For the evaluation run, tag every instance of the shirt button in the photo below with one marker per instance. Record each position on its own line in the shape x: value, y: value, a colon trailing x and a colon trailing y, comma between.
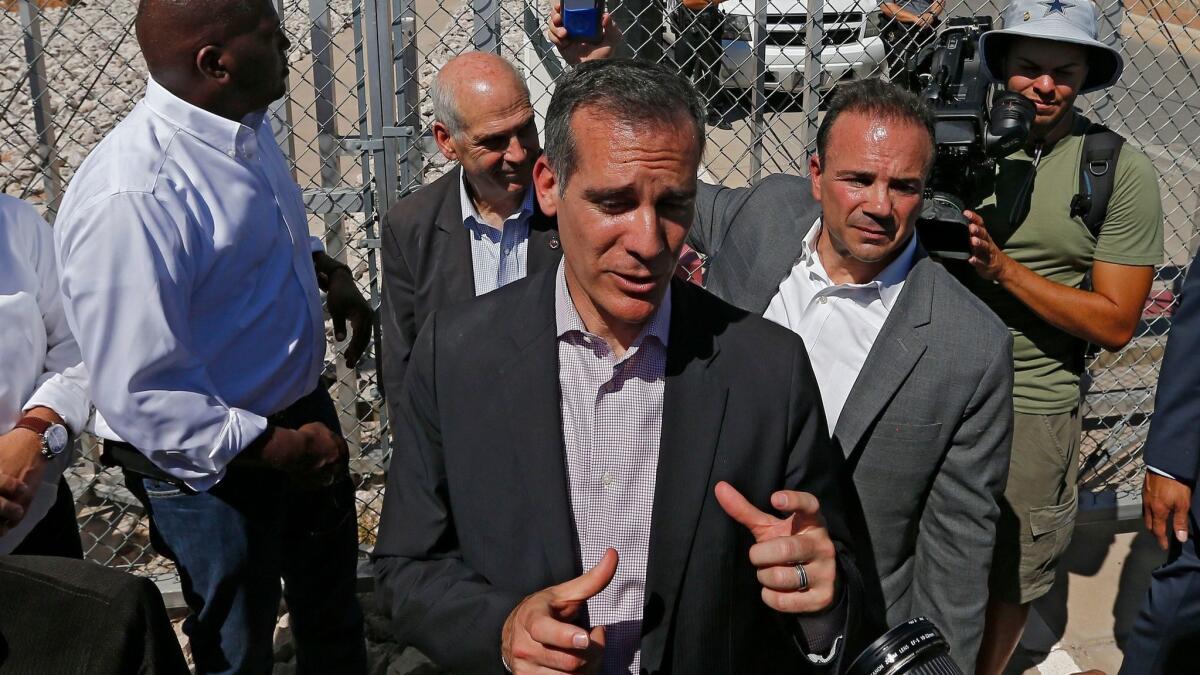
x: 822, y: 299
x: 607, y: 479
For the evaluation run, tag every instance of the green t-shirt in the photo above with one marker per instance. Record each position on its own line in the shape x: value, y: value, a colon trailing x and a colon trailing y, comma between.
x: 1047, y: 361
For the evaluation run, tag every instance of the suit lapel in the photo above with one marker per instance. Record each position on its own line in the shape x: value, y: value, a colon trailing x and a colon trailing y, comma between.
x: 899, y: 346
x: 535, y: 426
x: 453, y: 245
x: 544, y: 249
x: 693, y: 409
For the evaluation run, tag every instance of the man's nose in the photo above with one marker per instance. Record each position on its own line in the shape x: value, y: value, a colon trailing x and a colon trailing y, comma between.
x: 878, y: 200
x: 644, y: 237
x: 1044, y: 84
x: 515, y: 153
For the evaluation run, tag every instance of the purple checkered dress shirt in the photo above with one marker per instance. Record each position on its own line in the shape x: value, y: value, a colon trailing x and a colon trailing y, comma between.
x: 612, y: 423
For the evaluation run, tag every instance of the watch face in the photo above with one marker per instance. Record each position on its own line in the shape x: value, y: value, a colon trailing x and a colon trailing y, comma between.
x: 56, y: 438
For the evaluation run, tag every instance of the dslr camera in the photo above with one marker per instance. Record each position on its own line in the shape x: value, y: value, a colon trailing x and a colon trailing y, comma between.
x: 976, y: 123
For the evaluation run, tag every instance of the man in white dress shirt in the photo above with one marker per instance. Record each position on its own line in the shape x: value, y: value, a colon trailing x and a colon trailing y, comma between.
x: 43, y: 398
x: 193, y: 288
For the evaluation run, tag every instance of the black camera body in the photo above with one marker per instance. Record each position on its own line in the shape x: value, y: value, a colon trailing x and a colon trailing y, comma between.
x: 976, y: 123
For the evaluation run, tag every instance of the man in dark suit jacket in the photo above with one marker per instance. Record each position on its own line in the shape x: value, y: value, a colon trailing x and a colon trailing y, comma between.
x: 476, y: 228
x: 926, y: 420
x: 646, y: 410
x: 1166, y: 630
x: 74, y: 617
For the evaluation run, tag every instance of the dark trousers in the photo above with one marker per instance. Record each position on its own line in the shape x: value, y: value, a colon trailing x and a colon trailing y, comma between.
x: 900, y: 42
x: 57, y: 533
x: 1167, y: 629
x: 697, y: 50
x: 233, y: 544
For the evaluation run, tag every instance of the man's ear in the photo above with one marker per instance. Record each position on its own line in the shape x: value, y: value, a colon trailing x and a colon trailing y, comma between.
x: 208, y: 62
x: 814, y: 175
x: 444, y: 140
x: 545, y: 183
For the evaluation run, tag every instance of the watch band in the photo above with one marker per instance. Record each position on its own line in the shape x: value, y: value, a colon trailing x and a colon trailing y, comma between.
x: 35, y: 424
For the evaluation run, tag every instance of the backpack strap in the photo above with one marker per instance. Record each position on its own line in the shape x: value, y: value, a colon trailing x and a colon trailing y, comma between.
x: 1097, y: 175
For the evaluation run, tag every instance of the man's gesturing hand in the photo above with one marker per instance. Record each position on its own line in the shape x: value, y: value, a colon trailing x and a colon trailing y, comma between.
x: 782, y: 543
x: 1165, y: 504
x: 537, y: 638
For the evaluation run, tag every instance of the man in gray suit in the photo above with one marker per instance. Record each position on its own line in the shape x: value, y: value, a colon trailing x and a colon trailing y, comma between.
x: 915, y: 372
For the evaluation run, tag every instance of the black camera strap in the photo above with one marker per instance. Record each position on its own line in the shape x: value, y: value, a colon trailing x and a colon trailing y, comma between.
x: 1097, y: 176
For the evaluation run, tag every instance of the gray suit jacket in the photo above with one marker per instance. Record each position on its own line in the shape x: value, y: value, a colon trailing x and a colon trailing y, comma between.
x: 927, y: 427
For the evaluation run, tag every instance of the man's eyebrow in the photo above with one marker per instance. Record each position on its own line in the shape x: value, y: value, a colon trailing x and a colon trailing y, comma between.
x: 686, y: 193
x: 595, y: 194
x: 907, y: 181
x: 855, y: 173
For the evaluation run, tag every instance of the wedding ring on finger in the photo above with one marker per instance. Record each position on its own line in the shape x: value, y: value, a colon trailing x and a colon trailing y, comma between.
x: 801, y: 577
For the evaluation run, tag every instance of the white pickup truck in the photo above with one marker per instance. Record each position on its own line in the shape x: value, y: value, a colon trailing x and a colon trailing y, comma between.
x: 852, y: 46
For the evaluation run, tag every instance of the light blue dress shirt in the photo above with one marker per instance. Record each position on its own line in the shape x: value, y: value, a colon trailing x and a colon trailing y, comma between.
x: 498, y: 257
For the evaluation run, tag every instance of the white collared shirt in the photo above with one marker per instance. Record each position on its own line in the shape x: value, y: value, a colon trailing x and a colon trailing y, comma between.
x: 188, y: 280
x: 498, y: 257
x: 42, y: 366
x: 839, y: 322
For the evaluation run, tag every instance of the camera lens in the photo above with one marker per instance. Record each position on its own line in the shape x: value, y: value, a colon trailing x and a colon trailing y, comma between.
x: 915, y: 647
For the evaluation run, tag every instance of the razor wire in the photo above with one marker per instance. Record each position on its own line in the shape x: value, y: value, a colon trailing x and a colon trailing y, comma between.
x: 356, y: 124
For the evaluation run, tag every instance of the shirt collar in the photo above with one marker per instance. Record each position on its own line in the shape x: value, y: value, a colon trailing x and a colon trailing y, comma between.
x: 889, y: 282
x: 567, y: 318
x: 470, y: 213
x: 221, y: 133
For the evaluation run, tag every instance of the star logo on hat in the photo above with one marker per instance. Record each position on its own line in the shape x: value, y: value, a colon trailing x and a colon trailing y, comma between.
x: 1056, y: 6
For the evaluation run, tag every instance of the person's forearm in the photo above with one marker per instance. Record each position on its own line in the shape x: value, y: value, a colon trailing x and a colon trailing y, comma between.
x: 894, y: 11
x: 1085, y: 314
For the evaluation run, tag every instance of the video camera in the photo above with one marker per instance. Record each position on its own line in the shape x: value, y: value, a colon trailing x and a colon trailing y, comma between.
x: 969, y: 135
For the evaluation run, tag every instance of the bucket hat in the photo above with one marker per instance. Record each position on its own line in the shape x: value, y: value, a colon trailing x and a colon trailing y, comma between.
x: 1070, y: 21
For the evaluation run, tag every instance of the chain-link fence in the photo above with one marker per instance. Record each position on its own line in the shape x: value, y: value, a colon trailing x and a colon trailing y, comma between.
x: 356, y: 125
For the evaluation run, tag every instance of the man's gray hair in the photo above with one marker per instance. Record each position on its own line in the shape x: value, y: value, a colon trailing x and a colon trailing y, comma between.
x: 637, y: 92
x: 876, y: 97
x: 445, y: 105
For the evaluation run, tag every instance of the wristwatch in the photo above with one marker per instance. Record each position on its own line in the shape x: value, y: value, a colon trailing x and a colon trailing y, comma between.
x: 54, y: 436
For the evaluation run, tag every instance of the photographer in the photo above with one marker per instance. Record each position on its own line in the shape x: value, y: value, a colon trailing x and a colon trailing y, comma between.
x: 1061, y: 272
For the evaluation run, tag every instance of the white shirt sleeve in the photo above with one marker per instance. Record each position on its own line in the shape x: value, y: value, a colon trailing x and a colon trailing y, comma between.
x: 1164, y: 474
x: 62, y: 386
x: 128, y: 264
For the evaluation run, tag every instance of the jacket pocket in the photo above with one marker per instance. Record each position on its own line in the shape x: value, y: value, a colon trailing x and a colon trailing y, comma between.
x: 907, y: 432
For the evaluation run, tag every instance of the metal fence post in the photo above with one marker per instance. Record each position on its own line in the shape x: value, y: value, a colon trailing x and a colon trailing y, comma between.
x: 408, y: 91
x: 381, y: 74
x: 758, y: 99
x: 43, y: 112
x: 486, y: 36
x: 814, y: 43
